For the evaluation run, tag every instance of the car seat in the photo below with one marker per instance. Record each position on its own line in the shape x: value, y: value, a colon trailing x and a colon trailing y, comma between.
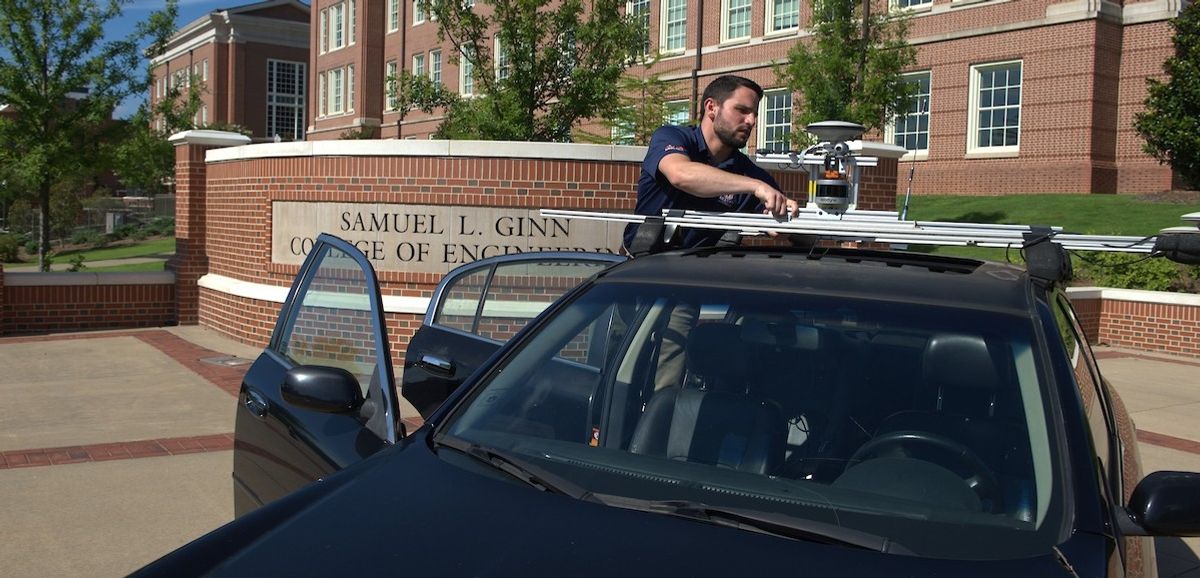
x: 712, y: 419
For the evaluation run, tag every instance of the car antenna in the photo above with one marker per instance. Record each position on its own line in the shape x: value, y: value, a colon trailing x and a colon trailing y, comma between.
x: 922, y: 108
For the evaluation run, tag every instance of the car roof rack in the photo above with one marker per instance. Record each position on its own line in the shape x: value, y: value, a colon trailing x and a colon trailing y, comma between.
x: 1179, y: 244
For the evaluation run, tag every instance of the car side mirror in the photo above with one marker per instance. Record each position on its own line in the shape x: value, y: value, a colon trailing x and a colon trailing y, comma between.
x: 320, y: 388
x: 1165, y: 504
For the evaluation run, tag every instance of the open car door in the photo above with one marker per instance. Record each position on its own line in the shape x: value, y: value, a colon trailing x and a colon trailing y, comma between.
x: 477, y: 308
x: 320, y: 396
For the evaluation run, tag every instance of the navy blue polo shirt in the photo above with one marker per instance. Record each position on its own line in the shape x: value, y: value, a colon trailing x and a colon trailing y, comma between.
x: 656, y: 193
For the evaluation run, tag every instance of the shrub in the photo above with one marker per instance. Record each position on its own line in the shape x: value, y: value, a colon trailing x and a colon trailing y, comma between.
x: 77, y: 264
x: 9, y: 247
x: 31, y: 246
x: 1124, y: 271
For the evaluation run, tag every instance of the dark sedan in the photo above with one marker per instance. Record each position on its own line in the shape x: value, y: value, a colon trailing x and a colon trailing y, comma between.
x: 732, y: 411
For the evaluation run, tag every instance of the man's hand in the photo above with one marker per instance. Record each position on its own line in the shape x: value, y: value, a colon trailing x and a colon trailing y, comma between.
x: 776, y: 203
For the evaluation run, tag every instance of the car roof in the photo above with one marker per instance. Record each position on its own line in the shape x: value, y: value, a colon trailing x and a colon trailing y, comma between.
x: 849, y: 273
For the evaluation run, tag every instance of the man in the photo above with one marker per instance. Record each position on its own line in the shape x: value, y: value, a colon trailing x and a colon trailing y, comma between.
x: 701, y: 168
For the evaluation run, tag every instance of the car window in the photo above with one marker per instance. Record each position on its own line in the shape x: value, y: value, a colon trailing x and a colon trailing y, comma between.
x: 331, y: 323
x: 511, y: 293
x: 1095, y: 401
x: 812, y: 406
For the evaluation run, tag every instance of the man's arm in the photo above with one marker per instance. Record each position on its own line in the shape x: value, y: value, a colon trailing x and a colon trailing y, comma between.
x: 706, y: 181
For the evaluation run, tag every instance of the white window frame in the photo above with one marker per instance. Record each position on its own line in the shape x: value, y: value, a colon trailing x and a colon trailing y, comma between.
x: 352, y: 22
x: 337, y: 91
x: 727, y: 9
x: 645, y: 14
x: 466, y: 74
x: 204, y: 70
x: 322, y: 95
x: 435, y: 65
x: 337, y: 24
x: 393, y: 11
x: 390, y: 71
x: 664, y: 28
x: 974, y: 109
x: 764, y: 116
x: 923, y: 104
x: 418, y: 64
x: 769, y: 20
x: 673, y: 106
x: 350, y: 88
x: 500, y: 64
x: 323, y: 31
x: 291, y: 100
x: 913, y: 5
x: 418, y: 13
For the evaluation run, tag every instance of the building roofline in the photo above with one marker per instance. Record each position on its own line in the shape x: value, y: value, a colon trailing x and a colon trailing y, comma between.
x: 218, y: 24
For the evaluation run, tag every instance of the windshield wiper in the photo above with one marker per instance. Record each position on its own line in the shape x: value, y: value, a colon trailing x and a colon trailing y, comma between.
x: 758, y: 521
x: 518, y: 468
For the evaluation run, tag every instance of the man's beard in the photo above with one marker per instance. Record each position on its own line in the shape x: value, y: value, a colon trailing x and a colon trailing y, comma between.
x: 727, y: 134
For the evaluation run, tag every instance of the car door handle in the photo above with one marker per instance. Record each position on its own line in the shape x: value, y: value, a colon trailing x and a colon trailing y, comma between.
x: 437, y: 363
x: 256, y: 403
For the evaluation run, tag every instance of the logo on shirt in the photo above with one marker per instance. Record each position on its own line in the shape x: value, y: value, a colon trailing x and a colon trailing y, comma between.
x: 675, y: 147
x: 726, y: 200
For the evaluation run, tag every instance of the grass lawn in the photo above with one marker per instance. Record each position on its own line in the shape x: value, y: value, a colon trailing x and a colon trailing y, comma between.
x: 150, y: 248
x: 1094, y: 214
x: 133, y: 268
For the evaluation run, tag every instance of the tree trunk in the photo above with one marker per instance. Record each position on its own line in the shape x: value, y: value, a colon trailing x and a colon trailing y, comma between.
x: 44, y: 226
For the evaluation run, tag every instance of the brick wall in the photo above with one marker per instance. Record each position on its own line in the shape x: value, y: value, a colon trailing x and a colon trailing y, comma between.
x: 58, y: 302
x: 1146, y: 320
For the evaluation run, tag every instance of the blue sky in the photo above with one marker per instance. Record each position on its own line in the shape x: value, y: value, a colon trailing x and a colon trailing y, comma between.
x: 137, y: 11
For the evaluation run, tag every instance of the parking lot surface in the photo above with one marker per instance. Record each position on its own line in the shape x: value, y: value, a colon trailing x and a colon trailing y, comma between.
x: 116, y: 447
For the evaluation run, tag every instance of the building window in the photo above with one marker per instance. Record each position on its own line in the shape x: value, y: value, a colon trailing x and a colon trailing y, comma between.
x: 204, y: 70
x: 911, y: 3
x: 353, y: 20
x: 503, y: 66
x: 418, y: 13
x: 673, y: 38
x: 338, y: 25
x: 322, y: 95
x: 323, y: 30
x: 466, y: 72
x: 393, y: 7
x: 389, y: 86
x: 285, y: 99
x: 776, y: 121
x: 910, y: 128
x: 418, y: 66
x: 783, y: 15
x: 994, y: 123
x: 735, y: 20
x: 435, y: 65
x: 678, y: 112
x: 640, y: 9
x: 350, y: 88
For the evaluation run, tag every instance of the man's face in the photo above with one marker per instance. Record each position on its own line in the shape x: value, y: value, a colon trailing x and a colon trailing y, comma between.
x: 735, y: 118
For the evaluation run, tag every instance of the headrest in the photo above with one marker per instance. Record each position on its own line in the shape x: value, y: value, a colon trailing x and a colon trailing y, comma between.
x: 960, y: 361
x: 716, y: 355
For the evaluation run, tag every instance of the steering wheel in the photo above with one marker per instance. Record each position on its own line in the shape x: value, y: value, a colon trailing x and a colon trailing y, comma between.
x: 960, y: 459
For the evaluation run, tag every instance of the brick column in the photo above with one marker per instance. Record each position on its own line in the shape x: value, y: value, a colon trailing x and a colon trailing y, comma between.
x: 191, y: 252
x: 878, y: 185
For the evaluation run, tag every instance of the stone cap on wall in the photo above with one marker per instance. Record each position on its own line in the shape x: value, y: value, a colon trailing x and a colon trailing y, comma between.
x: 217, y: 138
x: 430, y: 148
x: 1138, y: 295
x: 38, y: 279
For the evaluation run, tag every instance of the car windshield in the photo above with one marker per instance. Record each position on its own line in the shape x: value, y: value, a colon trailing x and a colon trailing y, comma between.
x: 924, y: 425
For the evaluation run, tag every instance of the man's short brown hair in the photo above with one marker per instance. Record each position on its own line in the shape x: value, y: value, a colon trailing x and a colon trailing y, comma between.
x: 723, y: 86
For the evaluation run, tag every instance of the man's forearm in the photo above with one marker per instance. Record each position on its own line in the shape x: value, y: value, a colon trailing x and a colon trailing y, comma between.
x: 702, y: 180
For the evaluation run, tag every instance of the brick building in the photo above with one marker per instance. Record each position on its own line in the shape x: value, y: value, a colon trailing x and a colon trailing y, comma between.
x: 253, y: 61
x: 1019, y: 96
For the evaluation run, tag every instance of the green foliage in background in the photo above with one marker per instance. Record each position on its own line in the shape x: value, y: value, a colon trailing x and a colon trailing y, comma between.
x: 1171, y: 122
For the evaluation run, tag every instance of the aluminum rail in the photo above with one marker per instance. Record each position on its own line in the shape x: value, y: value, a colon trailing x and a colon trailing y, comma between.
x: 883, y: 227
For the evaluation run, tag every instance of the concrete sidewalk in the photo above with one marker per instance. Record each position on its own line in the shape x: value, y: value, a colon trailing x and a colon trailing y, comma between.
x: 116, y: 447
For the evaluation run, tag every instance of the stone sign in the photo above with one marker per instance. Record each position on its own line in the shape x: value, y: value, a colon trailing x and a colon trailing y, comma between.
x: 431, y: 238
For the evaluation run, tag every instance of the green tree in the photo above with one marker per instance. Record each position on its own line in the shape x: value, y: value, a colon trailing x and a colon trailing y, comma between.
x: 1171, y: 122
x: 407, y: 92
x: 643, y: 105
x: 852, y: 69
x: 63, y: 80
x: 558, y: 64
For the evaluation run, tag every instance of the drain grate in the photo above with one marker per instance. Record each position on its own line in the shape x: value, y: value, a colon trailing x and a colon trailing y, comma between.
x: 226, y: 361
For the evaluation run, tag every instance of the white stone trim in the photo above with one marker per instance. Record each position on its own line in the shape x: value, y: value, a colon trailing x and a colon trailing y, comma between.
x: 31, y: 279
x: 1136, y: 295
x: 208, y: 138
x: 277, y: 294
x: 426, y: 148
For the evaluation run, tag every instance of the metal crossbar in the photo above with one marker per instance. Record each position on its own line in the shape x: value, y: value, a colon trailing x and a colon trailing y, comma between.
x: 885, y: 227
